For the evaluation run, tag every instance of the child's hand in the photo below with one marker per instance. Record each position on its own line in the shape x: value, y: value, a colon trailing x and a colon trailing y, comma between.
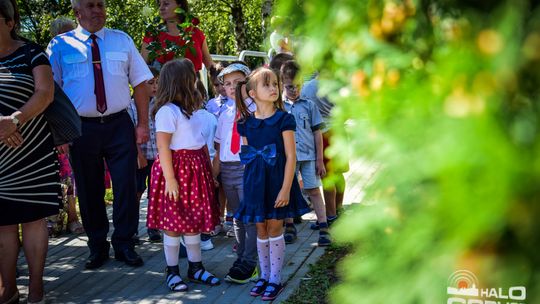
x: 215, y: 170
x: 319, y: 166
x: 282, y: 199
x: 142, y: 162
x: 171, y: 189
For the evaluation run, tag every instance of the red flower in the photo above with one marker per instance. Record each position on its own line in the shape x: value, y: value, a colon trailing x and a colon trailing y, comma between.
x: 195, y: 21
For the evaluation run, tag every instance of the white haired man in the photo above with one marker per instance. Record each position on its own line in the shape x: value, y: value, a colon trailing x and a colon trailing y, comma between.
x: 96, y: 66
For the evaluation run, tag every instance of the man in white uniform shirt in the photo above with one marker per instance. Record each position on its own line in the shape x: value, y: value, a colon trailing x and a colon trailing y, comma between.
x: 95, y: 66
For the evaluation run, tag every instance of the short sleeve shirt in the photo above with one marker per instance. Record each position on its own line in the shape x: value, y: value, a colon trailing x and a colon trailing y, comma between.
x: 224, y: 129
x: 262, y: 132
x: 308, y: 120
x: 216, y: 105
x: 186, y: 132
x: 122, y: 65
x: 209, y: 129
x: 310, y: 91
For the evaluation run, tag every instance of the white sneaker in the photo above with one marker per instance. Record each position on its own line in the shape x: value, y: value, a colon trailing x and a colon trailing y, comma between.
x: 207, y: 245
x: 217, y: 230
x: 228, y: 229
x: 230, y: 233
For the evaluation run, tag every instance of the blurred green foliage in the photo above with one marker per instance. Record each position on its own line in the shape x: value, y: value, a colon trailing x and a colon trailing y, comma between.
x: 130, y: 16
x: 230, y: 26
x: 444, y: 97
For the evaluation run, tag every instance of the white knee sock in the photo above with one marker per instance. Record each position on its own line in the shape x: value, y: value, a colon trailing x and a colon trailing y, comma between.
x: 193, y: 247
x: 277, y: 255
x: 263, y: 250
x: 171, y: 247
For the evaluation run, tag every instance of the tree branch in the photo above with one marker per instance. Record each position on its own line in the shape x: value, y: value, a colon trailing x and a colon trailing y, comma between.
x: 226, y: 3
x: 30, y: 16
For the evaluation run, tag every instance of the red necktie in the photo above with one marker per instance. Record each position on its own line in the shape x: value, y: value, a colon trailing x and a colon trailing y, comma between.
x: 235, y: 137
x: 99, y: 86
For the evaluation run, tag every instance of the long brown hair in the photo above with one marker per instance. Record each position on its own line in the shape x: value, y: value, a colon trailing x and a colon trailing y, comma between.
x: 10, y: 11
x: 177, y: 86
x: 261, y: 74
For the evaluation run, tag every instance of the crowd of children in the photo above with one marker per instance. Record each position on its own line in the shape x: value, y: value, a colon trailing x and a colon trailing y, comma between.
x: 244, y: 162
x: 250, y: 142
x: 237, y: 157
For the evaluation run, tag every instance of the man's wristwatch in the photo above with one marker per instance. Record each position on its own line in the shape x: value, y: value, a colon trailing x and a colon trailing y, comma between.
x: 15, y: 121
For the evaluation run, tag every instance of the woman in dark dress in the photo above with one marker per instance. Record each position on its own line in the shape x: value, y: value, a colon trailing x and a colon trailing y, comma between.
x: 29, y: 181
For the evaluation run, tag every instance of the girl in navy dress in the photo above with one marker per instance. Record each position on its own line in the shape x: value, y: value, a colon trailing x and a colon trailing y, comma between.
x: 271, y: 191
x: 181, y: 196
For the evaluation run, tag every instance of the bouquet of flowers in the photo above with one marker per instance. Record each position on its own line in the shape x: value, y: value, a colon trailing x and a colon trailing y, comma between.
x: 156, y: 48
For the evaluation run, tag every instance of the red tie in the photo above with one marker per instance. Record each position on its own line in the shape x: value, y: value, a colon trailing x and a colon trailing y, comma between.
x: 99, y: 86
x: 235, y: 137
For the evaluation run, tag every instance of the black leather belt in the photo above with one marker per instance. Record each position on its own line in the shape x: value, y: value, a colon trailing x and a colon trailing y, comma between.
x: 103, y: 119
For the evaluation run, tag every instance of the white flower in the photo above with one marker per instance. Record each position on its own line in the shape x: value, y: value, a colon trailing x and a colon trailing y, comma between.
x: 147, y: 11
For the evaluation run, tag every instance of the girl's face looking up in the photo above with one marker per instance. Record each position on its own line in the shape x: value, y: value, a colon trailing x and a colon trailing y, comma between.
x: 267, y: 90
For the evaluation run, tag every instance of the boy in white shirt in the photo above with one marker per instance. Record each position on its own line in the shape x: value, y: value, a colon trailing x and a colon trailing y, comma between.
x: 227, y: 162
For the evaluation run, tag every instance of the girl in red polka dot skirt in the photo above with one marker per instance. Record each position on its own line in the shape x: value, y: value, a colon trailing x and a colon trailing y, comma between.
x: 181, y: 200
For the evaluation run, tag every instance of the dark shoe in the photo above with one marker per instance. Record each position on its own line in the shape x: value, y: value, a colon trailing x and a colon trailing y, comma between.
x: 259, y: 288
x: 129, y: 256
x: 154, y: 235
x: 173, y: 280
x: 324, y: 239
x: 290, y: 234
x: 242, y: 273
x: 272, y: 291
x: 97, y: 258
x: 197, y: 273
x: 298, y: 220
x: 330, y: 220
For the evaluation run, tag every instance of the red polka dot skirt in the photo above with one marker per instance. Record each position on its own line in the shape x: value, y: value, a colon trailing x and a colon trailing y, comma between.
x: 196, y: 209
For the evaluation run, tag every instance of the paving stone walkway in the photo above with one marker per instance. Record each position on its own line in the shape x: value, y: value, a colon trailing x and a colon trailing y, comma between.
x: 66, y: 280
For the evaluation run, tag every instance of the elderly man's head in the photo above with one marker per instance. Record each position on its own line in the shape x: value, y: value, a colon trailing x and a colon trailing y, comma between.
x: 90, y: 14
x: 61, y: 25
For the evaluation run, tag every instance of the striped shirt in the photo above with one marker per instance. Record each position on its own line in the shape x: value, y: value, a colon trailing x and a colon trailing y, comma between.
x: 29, y: 173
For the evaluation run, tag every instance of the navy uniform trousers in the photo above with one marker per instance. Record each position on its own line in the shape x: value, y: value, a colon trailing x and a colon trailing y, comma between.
x: 111, y: 139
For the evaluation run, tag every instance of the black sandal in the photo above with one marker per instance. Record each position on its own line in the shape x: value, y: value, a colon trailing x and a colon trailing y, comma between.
x: 272, y: 291
x: 259, y: 288
x: 197, y: 273
x: 175, y: 285
x: 290, y: 234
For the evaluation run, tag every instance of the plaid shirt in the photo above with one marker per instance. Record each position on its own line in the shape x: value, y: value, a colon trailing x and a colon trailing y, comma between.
x: 149, y: 148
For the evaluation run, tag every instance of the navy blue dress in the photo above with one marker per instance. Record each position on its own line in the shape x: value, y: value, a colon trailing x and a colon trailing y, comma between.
x: 264, y: 159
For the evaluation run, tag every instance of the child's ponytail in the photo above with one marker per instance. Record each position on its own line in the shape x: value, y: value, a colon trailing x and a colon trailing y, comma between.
x: 250, y: 83
x: 241, y: 106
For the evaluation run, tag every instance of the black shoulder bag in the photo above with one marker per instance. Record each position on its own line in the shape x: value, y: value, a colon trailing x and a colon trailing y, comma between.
x: 63, y: 119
